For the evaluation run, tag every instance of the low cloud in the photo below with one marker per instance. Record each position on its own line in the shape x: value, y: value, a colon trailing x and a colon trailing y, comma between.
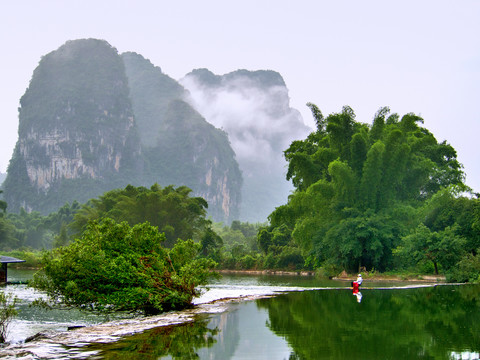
x: 258, y: 119
x: 260, y: 123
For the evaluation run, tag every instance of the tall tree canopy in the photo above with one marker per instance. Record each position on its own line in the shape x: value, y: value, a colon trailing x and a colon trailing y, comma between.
x: 170, y: 209
x: 358, y: 186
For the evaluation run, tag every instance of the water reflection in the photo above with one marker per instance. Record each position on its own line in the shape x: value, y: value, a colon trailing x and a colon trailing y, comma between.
x: 437, y: 323
x: 177, y: 342
x: 389, y: 324
x: 240, y: 333
x: 358, y: 295
x: 434, y: 323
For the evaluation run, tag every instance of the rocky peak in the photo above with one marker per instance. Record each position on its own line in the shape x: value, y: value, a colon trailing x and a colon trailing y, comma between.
x: 92, y: 120
x: 179, y: 145
x: 75, y: 122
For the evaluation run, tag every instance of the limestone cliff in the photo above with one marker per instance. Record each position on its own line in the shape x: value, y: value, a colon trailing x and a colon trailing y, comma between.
x: 92, y: 120
x: 179, y: 146
x: 75, y: 123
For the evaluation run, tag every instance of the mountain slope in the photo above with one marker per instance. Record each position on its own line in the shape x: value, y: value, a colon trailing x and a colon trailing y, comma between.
x: 179, y: 146
x: 77, y: 136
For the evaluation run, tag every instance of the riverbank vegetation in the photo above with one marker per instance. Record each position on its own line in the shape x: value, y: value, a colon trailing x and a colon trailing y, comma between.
x: 7, y: 313
x: 382, y: 196
x: 115, y: 267
x: 376, y: 198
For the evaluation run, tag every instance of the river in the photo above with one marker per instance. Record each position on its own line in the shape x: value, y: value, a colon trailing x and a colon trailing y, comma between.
x: 267, y: 317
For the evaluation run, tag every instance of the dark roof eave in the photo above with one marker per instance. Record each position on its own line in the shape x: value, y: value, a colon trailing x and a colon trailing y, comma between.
x: 9, y: 259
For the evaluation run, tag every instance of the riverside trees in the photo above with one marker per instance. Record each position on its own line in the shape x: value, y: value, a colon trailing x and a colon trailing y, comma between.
x: 133, y: 250
x: 172, y: 210
x: 360, y: 190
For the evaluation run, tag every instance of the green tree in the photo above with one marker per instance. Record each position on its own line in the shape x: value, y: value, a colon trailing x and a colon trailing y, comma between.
x: 172, y: 210
x: 56, y: 220
x: 443, y: 248
x: 363, y: 241
x: 3, y: 205
x: 62, y: 238
x: 211, y: 243
x: 7, y: 239
x: 30, y: 230
x: 450, y: 208
x: 117, y: 267
x: 352, y: 180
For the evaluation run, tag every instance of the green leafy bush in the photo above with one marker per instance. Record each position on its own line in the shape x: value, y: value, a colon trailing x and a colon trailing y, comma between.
x: 467, y: 270
x: 7, y: 312
x: 117, y: 267
x: 247, y: 262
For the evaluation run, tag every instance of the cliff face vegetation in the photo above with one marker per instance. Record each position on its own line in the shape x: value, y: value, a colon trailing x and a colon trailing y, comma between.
x: 91, y: 121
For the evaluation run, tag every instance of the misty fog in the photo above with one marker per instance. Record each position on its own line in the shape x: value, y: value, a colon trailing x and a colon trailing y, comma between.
x: 253, y: 108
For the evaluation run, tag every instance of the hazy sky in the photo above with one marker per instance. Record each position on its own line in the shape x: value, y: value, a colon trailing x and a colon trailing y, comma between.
x: 413, y: 56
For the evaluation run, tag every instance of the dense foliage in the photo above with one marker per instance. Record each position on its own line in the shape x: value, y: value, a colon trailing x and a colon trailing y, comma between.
x: 117, y: 267
x: 172, y: 210
x: 35, y: 231
x: 385, y: 196
x: 361, y: 191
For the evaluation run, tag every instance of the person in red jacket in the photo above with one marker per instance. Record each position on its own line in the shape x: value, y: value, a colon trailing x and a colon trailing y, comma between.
x: 356, y: 284
x: 356, y: 287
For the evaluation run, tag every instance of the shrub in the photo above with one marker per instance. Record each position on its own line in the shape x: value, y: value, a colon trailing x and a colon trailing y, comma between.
x: 467, y: 270
x: 117, y: 267
x: 290, y: 258
x: 7, y: 312
x: 247, y: 262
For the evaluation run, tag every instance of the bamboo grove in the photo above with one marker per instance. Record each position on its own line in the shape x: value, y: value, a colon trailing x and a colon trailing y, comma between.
x: 376, y: 197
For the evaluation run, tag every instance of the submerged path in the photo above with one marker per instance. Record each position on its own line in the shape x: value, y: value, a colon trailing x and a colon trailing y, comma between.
x: 73, y: 343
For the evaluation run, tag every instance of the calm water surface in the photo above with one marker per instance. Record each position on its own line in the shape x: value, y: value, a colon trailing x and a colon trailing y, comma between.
x: 440, y: 322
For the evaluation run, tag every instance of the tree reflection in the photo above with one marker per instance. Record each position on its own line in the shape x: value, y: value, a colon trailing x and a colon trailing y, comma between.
x: 177, y: 341
x: 387, y: 324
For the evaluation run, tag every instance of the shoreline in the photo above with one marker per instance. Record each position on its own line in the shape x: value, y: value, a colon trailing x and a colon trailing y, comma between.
x: 342, y: 276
